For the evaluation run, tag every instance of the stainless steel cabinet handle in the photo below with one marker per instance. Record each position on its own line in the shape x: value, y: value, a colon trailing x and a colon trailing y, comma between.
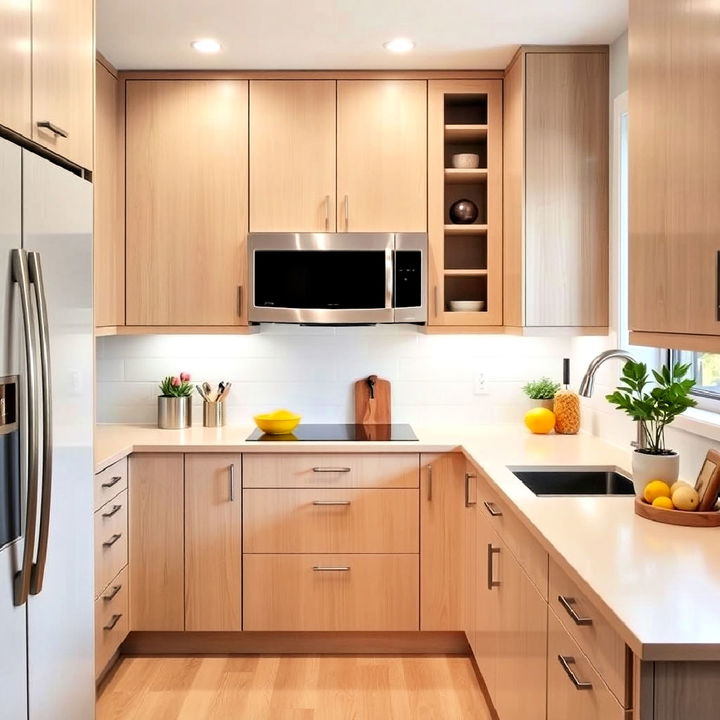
x: 113, y: 592
x: 113, y: 622
x: 331, y: 568
x: 232, y: 482
x: 468, y: 478
x: 113, y: 481
x: 331, y: 502
x: 347, y: 212
x: 112, y: 540
x: 429, y: 487
x: 492, y: 509
x: 327, y: 212
x: 332, y: 469
x: 21, y: 587
x: 115, y: 509
x: 53, y: 128
x: 566, y: 661
x: 490, y: 574
x: 36, y: 278
x: 567, y: 603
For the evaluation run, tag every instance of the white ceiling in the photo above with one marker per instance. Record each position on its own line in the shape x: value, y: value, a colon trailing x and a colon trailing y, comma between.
x: 345, y: 34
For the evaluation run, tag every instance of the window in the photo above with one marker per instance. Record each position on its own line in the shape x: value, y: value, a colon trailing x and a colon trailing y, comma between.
x: 705, y: 370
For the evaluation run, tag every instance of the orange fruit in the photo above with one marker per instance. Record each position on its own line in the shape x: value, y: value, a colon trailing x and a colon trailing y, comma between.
x: 655, y: 489
x: 663, y: 502
x: 540, y: 420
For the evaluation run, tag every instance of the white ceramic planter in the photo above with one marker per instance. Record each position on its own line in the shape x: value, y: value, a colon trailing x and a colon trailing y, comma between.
x: 538, y: 403
x: 646, y: 467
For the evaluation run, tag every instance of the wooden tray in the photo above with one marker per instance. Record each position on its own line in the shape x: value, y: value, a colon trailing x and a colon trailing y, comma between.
x: 677, y: 517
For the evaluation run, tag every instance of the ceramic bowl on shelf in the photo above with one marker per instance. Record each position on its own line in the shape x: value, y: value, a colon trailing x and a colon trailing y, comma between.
x: 466, y: 161
x: 467, y: 305
x: 463, y: 212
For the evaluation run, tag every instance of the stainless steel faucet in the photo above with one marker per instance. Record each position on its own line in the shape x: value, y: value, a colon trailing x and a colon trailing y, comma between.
x: 588, y: 383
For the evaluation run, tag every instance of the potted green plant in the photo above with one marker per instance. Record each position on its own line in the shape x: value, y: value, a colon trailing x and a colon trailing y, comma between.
x: 654, y: 404
x: 542, y: 391
x: 175, y: 402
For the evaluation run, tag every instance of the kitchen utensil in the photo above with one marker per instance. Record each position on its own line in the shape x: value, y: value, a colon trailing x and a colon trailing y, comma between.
x: 273, y: 425
x: 202, y: 393
x: 463, y: 212
x: 225, y: 391
x: 213, y: 414
x: 467, y: 305
x: 208, y: 391
x: 372, y: 401
x: 466, y: 161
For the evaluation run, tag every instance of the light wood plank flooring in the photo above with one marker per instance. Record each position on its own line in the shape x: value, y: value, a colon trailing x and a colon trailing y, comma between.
x: 292, y: 688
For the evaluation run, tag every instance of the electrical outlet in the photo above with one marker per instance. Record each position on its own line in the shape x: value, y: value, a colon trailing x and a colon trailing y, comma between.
x: 480, y: 386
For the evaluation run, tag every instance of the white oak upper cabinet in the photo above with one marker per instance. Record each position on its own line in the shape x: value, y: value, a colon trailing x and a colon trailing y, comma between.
x: 15, y: 66
x: 292, y: 155
x: 382, y: 155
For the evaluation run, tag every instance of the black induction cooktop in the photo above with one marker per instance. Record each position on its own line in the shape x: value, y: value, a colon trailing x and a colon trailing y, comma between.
x: 309, y: 432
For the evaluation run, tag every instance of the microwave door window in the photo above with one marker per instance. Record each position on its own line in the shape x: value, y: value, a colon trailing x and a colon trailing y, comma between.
x: 320, y: 279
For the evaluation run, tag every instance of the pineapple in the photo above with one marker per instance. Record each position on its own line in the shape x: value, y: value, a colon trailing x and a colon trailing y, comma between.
x: 566, y: 407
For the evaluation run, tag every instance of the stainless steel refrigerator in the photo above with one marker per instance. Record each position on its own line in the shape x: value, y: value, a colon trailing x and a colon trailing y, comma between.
x: 46, y: 431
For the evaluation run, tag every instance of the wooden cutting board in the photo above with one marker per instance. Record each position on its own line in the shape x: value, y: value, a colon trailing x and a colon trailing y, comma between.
x: 372, y: 401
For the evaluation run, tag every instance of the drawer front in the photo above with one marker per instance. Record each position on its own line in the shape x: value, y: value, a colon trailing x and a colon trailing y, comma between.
x: 111, y: 547
x: 597, y: 639
x: 110, y: 481
x: 565, y: 701
x: 331, y: 592
x: 528, y: 551
x: 111, y: 620
x: 330, y: 521
x: 364, y: 470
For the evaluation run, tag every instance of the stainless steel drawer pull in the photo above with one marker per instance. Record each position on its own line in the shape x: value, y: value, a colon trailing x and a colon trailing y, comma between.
x: 429, y: 489
x: 490, y: 574
x: 115, y: 509
x: 113, y: 622
x: 113, y: 592
x: 566, y: 661
x: 332, y: 469
x: 331, y: 502
x: 232, y: 482
x: 468, y: 478
x: 492, y: 509
x: 112, y: 540
x: 331, y: 568
x: 53, y: 128
x: 113, y: 481
x: 567, y: 603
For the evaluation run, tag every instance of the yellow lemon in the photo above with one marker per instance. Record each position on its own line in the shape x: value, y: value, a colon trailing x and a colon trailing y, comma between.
x: 676, y: 485
x: 282, y: 414
x: 540, y: 420
x: 663, y: 502
x: 655, y: 489
x: 685, y: 498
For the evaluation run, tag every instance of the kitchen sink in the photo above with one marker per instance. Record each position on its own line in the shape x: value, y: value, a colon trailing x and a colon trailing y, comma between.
x: 574, y: 482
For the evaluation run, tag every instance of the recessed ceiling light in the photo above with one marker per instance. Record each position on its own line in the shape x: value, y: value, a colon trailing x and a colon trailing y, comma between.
x: 206, y: 45
x: 399, y: 45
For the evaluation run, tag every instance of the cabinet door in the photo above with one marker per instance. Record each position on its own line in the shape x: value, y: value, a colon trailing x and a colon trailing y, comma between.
x: 63, y: 71
x: 15, y: 44
x: 156, y: 541
x: 109, y: 232
x: 445, y: 552
x: 186, y: 170
x: 213, y: 542
x: 382, y: 155
x: 674, y: 173
x: 292, y: 155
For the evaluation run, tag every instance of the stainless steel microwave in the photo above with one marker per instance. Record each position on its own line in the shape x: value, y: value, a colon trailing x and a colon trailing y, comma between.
x: 337, y: 278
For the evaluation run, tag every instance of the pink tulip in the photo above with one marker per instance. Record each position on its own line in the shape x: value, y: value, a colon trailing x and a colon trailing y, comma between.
x: 185, y: 377
x: 175, y: 382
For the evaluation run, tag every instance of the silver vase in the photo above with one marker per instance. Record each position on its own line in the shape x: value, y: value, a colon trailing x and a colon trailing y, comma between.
x: 174, y: 413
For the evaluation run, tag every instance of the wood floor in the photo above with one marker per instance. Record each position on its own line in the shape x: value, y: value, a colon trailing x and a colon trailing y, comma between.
x: 292, y: 688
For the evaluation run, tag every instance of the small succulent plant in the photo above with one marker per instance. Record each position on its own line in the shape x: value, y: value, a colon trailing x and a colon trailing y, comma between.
x: 542, y: 389
x: 176, y: 385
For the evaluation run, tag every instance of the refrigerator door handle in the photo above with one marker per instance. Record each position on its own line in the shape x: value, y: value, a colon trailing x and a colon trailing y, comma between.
x: 22, y: 577
x: 36, y: 278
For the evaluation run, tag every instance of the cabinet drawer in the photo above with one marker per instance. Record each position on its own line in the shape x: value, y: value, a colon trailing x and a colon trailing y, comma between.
x: 109, y: 482
x: 597, y: 639
x: 111, y: 620
x: 528, y: 551
x: 111, y: 549
x: 565, y: 700
x: 330, y: 470
x: 331, y: 592
x: 330, y: 521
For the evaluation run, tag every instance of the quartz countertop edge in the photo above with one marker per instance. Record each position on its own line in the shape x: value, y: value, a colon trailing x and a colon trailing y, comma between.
x: 657, y: 585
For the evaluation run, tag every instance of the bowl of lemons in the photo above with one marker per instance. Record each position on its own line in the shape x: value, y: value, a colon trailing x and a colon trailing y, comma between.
x: 278, y: 422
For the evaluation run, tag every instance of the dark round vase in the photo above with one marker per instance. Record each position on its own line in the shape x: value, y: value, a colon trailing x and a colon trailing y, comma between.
x: 463, y: 212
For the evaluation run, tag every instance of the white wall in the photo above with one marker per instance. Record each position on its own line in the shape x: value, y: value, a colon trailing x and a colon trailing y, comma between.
x: 311, y: 371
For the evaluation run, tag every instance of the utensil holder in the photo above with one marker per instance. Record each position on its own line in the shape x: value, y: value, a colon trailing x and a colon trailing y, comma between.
x: 213, y: 414
x: 174, y: 413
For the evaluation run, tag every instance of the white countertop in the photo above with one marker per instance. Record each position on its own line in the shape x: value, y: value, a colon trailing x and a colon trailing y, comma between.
x: 659, y: 585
